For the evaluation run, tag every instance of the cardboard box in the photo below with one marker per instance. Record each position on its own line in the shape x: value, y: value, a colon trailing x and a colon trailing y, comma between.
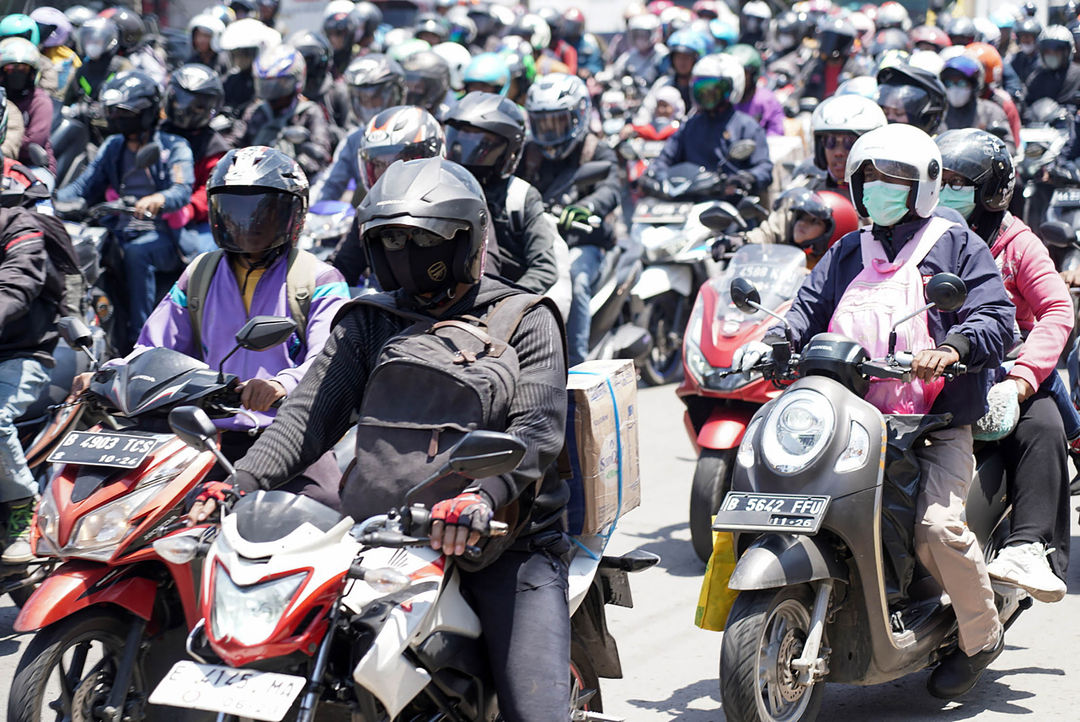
x: 602, y: 443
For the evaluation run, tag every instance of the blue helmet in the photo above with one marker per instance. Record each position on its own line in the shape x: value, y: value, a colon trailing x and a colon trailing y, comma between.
x: 723, y: 32
x: 490, y: 69
x: 688, y: 41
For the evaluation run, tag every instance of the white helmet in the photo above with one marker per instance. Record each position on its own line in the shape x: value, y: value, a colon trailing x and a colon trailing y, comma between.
x: 989, y: 32
x: 338, y: 6
x: 757, y: 9
x: 844, y: 114
x: 540, y: 36
x: 209, y: 24
x: 927, y: 60
x: 249, y: 33
x: 901, y: 151
x: 457, y: 57
x: 720, y: 66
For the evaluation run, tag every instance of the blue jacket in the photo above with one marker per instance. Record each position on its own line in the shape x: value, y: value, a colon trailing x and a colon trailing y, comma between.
x: 981, y: 331
x: 343, y: 168
x: 706, y: 140
x: 174, y: 174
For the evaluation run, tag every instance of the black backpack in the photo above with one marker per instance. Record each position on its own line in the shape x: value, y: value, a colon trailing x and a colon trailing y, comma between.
x: 65, y: 285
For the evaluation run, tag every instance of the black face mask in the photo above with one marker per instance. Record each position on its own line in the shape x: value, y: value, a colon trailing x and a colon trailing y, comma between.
x: 18, y: 83
x: 423, y: 270
x: 125, y: 126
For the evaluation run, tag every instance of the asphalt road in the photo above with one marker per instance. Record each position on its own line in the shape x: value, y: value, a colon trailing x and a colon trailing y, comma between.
x: 670, y: 666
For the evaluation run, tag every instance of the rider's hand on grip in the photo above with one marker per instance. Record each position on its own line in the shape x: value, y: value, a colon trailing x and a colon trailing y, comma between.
x: 928, y: 364
x: 749, y: 355
x: 459, y: 522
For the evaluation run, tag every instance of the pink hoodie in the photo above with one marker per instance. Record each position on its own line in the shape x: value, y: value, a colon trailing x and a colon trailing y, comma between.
x: 1044, y: 310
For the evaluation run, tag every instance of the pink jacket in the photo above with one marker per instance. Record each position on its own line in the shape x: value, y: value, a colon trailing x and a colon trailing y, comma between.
x: 1044, y: 310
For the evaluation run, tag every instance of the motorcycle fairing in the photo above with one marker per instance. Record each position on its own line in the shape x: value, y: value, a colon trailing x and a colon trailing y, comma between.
x: 779, y: 560
x: 153, y: 379
x: 663, y: 278
x: 71, y: 588
x: 725, y: 427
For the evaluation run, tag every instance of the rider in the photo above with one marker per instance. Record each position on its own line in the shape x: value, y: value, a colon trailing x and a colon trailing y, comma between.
x: 1056, y: 76
x: 427, y: 78
x: 520, y: 595
x: 978, y: 180
x: 758, y: 102
x: 895, y: 177
x: 836, y: 123
x: 685, y: 48
x: 20, y: 65
x: 1026, y: 56
x: 319, y: 85
x: 340, y: 29
x: 243, y: 40
x: 559, y: 110
x: 486, y: 73
x: 58, y: 34
x: 206, y: 31
x: 963, y: 78
x: 133, y: 45
x: 643, y: 60
x: 836, y: 60
x: 990, y: 59
x: 590, y: 57
x: 911, y: 95
x: 99, y: 41
x: 812, y: 221
x: 132, y: 103
x: 18, y: 25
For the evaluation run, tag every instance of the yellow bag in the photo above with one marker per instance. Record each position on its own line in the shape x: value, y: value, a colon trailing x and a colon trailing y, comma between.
x: 716, y: 599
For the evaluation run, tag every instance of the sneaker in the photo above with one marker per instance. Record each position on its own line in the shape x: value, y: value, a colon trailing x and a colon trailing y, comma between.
x: 16, y: 542
x: 1026, y: 566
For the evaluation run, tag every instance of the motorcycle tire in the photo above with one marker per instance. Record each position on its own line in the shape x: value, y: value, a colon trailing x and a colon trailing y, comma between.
x: 664, y: 319
x: 712, y: 479
x: 584, y: 681
x: 763, y: 623
x: 47, y: 651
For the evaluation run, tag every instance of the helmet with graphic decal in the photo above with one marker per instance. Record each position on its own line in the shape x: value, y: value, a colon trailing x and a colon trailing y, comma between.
x: 405, y: 132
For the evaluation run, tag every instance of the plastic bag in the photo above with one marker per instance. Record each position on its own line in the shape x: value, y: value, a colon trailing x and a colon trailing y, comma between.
x: 716, y: 599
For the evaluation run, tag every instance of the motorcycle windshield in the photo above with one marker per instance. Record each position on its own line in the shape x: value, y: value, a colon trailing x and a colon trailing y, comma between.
x: 147, y: 381
x: 777, y: 271
x: 272, y: 515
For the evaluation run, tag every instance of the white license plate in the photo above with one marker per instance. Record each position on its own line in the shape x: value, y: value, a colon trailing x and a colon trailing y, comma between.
x: 742, y: 511
x: 125, y: 450
x: 1069, y: 197
x: 241, y: 692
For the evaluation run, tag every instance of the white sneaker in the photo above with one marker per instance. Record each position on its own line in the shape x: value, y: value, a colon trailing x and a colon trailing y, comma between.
x: 1026, y: 566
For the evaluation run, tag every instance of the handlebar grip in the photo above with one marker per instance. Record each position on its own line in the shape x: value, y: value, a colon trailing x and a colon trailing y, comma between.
x: 956, y: 369
x: 583, y: 227
x: 498, y: 528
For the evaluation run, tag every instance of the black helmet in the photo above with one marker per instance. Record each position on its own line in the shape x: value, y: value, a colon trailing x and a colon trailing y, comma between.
x: 257, y: 200
x: 345, y: 24
x: 193, y: 97
x: 918, y: 91
x: 243, y: 8
x: 1028, y: 26
x: 486, y: 133
x: 427, y: 77
x: 401, y: 133
x: 891, y: 39
x: 433, y: 24
x: 129, y: 25
x: 983, y: 159
x: 369, y: 18
x: 98, y: 39
x: 132, y: 102
x: 425, y: 228
x: 962, y: 31
x: 836, y: 37
x: 376, y: 82
x: 316, y: 51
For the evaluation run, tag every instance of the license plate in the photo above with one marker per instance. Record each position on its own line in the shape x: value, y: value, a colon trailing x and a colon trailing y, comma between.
x: 1068, y: 197
x: 241, y: 692
x: 743, y: 511
x: 106, y: 448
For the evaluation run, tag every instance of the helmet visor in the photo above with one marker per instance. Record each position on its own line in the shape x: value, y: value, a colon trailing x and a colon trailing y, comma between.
x: 552, y: 127
x: 475, y: 148
x: 274, y: 88
x: 189, y: 110
x: 710, y: 92
x: 369, y: 100
x: 252, y: 223
x: 424, y: 92
x: 902, y: 103
x: 374, y: 161
x: 835, y: 44
x: 395, y: 238
x: 889, y: 167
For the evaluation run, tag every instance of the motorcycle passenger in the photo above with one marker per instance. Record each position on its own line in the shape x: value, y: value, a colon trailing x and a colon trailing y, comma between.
x: 486, y: 73
x: 810, y: 220
x: 257, y: 204
x: 18, y: 25
x: 20, y: 64
x: 1026, y: 57
x: 340, y: 28
x: 590, y: 56
x: 370, y: 17
x: 642, y: 61
x: 836, y: 61
x: 963, y: 78
x: 685, y: 48
x: 1056, y: 76
x: 836, y: 123
x: 427, y: 79
x: 319, y: 84
x: 243, y: 40
x: 911, y: 95
x: 58, y: 32
x: 519, y: 594
x: 992, y: 87
x: 978, y: 180
x: 132, y: 103
x: 758, y: 102
x: 559, y: 109
x: 485, y: 133
x: 99, y: 40
x: 375, y: 82
x: 133, y: 45
x: 894, y: 174
x: 206, y: 31
x: 753, y: 22
x: 280, y: 74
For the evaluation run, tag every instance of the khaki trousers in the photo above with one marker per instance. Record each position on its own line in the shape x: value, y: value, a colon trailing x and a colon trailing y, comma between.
x: 943, y: 542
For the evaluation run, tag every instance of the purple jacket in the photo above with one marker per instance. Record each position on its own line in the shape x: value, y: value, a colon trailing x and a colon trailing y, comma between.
x: 766, y: 110
x: 169, y: 326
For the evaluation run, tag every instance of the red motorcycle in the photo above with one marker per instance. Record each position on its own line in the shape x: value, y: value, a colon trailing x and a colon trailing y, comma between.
x: 719, y: 405
x: 119, y: 486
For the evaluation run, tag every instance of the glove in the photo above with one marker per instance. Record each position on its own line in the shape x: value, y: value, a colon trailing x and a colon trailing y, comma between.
x: 743, y: 180
x: 573, y: 214
x: 468, y: 509
x: 749, y: 355
x: 724, y: 244
x: 219, y: 491
x: 1003, y: 401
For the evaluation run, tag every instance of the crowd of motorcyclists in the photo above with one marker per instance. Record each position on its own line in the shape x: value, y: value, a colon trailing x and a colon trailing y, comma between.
x: 458, y: 135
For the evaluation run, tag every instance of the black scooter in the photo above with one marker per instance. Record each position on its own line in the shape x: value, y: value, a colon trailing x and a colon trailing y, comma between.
x: 823, y: 510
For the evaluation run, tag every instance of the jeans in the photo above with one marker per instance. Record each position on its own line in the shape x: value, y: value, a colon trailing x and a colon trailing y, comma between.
x: 195, y: 238
x: 1070, y: 417
x: 145, y: 255
x: 22, y: 380
x: 584, y: 270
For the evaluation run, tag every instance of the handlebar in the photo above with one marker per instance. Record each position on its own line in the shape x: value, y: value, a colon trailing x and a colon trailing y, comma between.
x: 411, y: 527
x: 897, y: 367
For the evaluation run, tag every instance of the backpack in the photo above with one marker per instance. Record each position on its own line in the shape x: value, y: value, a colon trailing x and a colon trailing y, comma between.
x: 432, y: 383
x: 300, y: 281
x: 65, y: 260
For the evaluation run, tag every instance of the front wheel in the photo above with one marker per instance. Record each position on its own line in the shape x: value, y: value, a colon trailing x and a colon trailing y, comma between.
x: 665, y: 319
x: 712, y: 479
x: 766, y: 631
x: 68, y: 669
x: 584, y: 682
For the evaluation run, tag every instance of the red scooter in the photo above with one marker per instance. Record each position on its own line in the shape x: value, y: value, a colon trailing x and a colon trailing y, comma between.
x: 719, y: 406
x: 119, y: 486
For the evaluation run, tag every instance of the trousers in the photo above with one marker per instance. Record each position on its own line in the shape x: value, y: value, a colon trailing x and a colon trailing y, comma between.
x: 21, y: 381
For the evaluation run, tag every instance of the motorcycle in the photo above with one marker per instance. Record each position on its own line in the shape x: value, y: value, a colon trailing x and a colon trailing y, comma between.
x: 326, y: 225
x: 118, y: 486
x: 719, y: 405
x: 827, y: 580
x: 1042, y: 141
x: 365, y: 619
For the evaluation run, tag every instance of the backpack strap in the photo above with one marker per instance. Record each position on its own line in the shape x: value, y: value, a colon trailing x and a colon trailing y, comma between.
x: 503, y: 319
x: 300, y: 284
x: 516, y: 192
x: 202, y: 273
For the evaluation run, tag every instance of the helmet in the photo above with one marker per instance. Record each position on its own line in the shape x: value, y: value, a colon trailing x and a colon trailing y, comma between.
x: 369, y: 17
x: 643, y: 32
x: 18, y: 25
x: 193, y: 97
x: 403, y: 132
x: 425, y: 227
x: 927, y: 60
x: 257, y: 199
x: 864, y: 28
x: 78, y: 15
x: 688, y: 41
x: 375, y: 82
x: 1028, y: 26
x: 129, y: 25
x: 316, y: 51
x: 674, y: 19
x: 222, y: 12
x: 98, y: 38
x: 805, y: 202
x: 863, y: 85
x: 19, y: 83
x: 488, y: 69
x: 984, y: 160
x: 749, y: 58
x: 54, y: 25
x: 891, y: 39
x: 1004, y: 17
x: 462, y: 27
x: 486, y: 134
x: 341, y: 25
x: 658, y: 6
x: 930, y: 35
x: 558, y: 106
x: 836, y: 37
x: 717, y: 78
x: 132, y: 102
x: 457, y: 57
x: 279, y: 73
x: 210, y: 25
x: 706, y: 9
x: 919, y: 93
x: 403, y: 47
x: 427, y: 77
x: 433, y: 24
x: 1058, y: 40
x: 987, y: 31
x: 522, y: 69
x: 243, y: 8
x: 892, y: 15
x: 756, y: 9
x: 573, y: 24
x: 845, y: 219
x: 961, y: 31
x: 966, y: 67
x: 723, y: 32
x: 853, y: 114
x: 250, y: 34
x: 901, y: 151
x: 487, y: 24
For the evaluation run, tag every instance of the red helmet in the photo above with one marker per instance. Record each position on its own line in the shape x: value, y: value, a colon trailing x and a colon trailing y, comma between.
x: 658, y: 6
x: 832, y: 209
x: 930, y: 34
x: 845, y: 219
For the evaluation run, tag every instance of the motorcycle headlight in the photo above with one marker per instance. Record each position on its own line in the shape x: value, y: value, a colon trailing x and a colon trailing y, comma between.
x: 695, y: 360
x: 249, y: 614
x: 797, y: 430
x: 745, y: 455
x: 48, y: 521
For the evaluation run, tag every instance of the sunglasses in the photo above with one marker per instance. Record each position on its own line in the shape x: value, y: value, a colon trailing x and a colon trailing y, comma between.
x: 395, y: 239
x: 832, y: 142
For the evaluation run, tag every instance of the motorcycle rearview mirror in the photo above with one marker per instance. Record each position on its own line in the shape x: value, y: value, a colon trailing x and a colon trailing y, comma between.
x: 147, y: 156
x: 944, y: 291
x: 259, y: 334
x: 591, y: 173
x: 37, y: 155
x: 478, y: 454
x: 77, y: 334
x: 746, y: 298
x: 195, y: 429
x: 296, y: 134
x: 1057, y: 234
x: 749, y: 207
x: 716, y: 218
x: 742, y: 149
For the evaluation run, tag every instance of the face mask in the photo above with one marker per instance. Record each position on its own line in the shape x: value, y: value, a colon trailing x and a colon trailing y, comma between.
x: 18, y: 83
x: 125, y: 126
x: 958, y: 95
x: 1027, y: 48
x: 423, y: 270
x: 1052, y: 62
x: 885, y: 202
x: 962, y: 201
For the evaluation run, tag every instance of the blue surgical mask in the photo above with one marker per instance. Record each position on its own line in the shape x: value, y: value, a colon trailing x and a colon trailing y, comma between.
x: 962, y: 201
x: 885, y: 202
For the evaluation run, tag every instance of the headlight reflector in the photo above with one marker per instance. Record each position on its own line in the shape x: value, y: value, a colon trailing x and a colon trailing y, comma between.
x: 249, y: 614
x: 857, y: 452
x: 797, y: 430
x: 745, y: 455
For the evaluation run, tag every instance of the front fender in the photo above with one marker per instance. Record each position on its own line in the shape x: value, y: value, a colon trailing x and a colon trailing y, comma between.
x: 725, y: 427
x: 74, y: 586
x: 780, y: 560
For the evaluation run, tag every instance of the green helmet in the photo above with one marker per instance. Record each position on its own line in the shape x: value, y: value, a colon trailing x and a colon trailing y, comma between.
x: 748, y: 57
x: 15, y: 51
x: 18, y: 25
